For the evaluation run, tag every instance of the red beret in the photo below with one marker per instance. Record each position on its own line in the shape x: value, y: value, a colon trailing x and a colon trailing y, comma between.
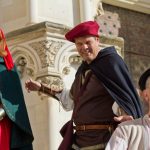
x: 83, y: 29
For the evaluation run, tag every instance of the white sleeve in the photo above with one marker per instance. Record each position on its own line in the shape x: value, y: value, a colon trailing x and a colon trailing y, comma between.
x: 115, y: 107
x: 65, y: 99
x: 117, y: 110
x: 117, y: 141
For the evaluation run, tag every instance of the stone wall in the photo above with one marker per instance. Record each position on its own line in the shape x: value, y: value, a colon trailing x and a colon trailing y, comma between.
x: 134, y: 28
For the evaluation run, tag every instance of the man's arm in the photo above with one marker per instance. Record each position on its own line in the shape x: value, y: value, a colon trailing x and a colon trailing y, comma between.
x: 65, y: 99
x: 121, y: 115
x: 62, y: 95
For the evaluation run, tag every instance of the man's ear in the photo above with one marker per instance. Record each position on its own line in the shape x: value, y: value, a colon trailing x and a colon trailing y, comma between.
x: 144, y: 94
x: 140, y: 93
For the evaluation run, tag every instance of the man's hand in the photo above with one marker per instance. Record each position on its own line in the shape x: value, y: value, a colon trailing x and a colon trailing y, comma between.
x: 32, y: 85
x: 123, y: 118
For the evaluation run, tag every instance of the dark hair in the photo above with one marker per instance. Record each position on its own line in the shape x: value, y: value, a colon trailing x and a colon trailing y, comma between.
x: 143, y: 79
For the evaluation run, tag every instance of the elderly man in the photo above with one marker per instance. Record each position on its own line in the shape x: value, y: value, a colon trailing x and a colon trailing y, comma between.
x: 134, y: 135
x: 101, y: 80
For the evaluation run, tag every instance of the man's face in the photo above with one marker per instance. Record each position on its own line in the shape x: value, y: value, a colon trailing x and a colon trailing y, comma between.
x: 146, y: 92
x: 2, y: 47
x: 147, y: 95
x: 87, y: 47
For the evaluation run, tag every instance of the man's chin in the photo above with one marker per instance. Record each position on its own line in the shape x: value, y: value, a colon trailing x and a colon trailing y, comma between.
x: 88, y: 60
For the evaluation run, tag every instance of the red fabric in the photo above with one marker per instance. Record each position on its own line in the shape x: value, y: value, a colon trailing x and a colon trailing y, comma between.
x: 5, y: 126
x: 82, y: 29
x: 8, y: 59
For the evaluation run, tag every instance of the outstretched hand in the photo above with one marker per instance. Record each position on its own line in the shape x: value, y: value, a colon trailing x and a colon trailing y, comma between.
x: 32, y: 85
x: 123, y: 118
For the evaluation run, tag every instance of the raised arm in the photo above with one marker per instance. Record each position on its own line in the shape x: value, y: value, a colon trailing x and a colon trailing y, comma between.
x: 32, y: 85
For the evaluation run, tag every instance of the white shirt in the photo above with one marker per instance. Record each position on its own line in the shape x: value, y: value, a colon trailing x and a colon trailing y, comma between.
x: 65, y: 99
x: 131, y: 135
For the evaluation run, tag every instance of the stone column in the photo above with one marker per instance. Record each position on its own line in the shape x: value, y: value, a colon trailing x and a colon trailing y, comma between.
x: 86, y: 10
x: 33, y: 11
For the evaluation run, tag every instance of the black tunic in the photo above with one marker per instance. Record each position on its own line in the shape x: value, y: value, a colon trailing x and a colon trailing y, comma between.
x: 111, y: 70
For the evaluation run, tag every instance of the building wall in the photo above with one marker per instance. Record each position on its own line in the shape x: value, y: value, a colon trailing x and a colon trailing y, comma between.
x: 134, y: 27
x: 21, y: 13
x: 14, y: 14
x: 56, y: 11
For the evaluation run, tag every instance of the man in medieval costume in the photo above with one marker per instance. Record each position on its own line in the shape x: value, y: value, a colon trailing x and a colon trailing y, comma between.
x: 102, y: 87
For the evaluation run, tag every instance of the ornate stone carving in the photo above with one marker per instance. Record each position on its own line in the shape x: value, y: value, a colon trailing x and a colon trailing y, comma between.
x: 66, y: 70
x: 75, y: 59
x: 47, y: 50
x: 23, y: 68
x: 24, y: 60
x: 100, y: 10
x: 72, y: 60
x: 21, y: 64
x: 51, y: 81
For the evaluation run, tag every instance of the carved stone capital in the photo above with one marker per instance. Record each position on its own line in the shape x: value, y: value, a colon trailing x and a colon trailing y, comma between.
x: 24, y: 61
x: 99, y: 8
x: 46, y: 50
x: 23, y: 68
x: 51, y: 81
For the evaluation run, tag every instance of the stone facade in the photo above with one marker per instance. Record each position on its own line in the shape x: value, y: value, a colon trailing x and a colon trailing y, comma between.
x: 135, y: 30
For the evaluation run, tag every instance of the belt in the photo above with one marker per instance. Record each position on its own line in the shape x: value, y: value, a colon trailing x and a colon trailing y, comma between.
x: 93, y: 127
x: 94, y: 147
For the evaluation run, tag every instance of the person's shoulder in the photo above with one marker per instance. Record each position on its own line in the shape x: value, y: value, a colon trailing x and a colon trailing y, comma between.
x: 131, y: 129
x: 131, y: 122
x: 131, y: 125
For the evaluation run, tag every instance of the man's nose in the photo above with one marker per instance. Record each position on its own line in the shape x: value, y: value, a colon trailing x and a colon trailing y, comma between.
x: 84, y: 46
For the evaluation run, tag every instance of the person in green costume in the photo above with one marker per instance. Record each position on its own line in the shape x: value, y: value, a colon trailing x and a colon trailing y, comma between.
x: 15, y: 129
